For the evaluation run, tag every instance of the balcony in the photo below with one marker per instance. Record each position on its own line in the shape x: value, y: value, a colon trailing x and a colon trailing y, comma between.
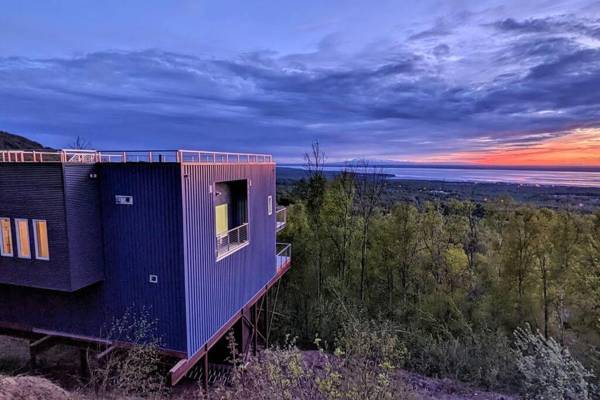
x: 231, y: 241
x: 281, y: 217
x: 284, y: 256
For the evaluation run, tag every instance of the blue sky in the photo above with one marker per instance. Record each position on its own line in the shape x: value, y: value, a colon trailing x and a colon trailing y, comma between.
x: 427, y: 80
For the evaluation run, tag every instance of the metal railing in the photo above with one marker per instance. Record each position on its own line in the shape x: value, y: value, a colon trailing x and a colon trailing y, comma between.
x: 232, y: 240
x: 283, y: 255
x: 150, y: 156
x: 281, y: 217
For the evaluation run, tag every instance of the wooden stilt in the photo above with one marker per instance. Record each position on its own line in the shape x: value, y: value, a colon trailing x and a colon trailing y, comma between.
x: 84, y: 368
x: 205, y: 380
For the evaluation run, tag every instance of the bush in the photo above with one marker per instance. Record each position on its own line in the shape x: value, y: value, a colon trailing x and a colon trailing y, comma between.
x: 481, y: 358
x: 548, y: 370
x: 136, y: 369
x: 361, y: 368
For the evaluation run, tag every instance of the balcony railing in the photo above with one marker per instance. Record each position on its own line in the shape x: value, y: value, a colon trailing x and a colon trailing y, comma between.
x: 150, y: 156
x: 281, y: 217
x: 232, y: 240
x: 284, y: 255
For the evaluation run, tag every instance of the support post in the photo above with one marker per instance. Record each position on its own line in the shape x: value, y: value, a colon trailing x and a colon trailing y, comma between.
x: 255, y: 329
x: 205, y: 380
x: 84, y: 368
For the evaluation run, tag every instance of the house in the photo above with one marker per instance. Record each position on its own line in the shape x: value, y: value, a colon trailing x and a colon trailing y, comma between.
x: 187, y: 236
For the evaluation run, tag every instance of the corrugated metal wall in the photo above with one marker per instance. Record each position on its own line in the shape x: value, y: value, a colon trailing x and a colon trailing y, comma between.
x: 143, y: 239
x: 215, y: 291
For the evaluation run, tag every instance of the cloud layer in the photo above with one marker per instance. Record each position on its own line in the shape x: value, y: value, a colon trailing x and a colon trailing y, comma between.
x: 470, y: 83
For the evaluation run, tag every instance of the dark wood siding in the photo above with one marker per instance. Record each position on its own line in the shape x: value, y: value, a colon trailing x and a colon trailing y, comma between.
x: 36, y: 191
x: 84, y: 225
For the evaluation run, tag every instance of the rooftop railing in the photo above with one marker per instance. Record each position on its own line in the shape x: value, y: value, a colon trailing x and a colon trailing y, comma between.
x: 149, y: 156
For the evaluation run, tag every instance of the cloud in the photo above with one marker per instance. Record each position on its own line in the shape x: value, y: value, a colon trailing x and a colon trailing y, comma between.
x: 395, y: 100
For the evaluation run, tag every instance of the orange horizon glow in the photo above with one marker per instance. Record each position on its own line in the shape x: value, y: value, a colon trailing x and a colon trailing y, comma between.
x: 581, y: 147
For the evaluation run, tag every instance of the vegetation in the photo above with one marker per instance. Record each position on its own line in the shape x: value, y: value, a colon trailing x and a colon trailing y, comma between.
x: 456, y: 277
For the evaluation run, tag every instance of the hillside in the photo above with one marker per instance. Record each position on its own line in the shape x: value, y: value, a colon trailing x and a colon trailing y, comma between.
x: 9, y: 141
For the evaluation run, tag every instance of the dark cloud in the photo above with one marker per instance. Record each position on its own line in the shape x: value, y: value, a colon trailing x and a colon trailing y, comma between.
x: 388, y: 101
x: 560, y: 24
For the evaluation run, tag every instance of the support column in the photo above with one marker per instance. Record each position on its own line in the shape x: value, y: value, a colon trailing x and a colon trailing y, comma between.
x: 205, y: 380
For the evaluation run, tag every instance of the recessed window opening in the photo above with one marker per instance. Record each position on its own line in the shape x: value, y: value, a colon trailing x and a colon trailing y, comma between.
x: 270, y: 205
x: 23, y: 246
x: 40, y: 236
x: 6, y: 244
x: 231, y: 216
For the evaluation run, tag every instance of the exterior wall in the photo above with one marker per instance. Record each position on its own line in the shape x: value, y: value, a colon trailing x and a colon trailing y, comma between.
x: 215, y: 291
x: 145, y: 239
x: 35, y: 191
x: 135, y: 241
x: 84, y: 225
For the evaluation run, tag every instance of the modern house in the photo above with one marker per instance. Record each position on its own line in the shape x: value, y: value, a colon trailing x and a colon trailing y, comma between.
x: 187, y: 236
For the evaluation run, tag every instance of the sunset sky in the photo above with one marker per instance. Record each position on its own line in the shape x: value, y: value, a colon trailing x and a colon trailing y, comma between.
x: 484, y: 82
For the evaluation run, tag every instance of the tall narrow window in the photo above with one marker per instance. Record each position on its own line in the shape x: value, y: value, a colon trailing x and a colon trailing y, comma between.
x: 270, y: 205
x: 23, y: 247
x: 6, y: 245
x: 40, y: 236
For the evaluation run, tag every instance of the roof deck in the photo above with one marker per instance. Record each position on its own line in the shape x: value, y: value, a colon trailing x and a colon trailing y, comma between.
x: 150, y: 156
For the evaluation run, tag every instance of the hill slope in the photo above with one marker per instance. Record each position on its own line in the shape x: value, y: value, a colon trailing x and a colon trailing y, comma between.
x: 9, y: 141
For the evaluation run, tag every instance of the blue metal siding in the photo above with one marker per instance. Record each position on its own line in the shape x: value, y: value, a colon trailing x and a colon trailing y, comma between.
x: 84, y: 225
x: 35, y: 191
x: 142, y: 239
x: 215, y: 291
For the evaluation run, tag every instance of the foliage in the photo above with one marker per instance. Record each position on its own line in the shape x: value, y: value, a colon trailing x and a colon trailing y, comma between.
x: 454, y: 278
x: 134, y: 369
x: 360, y: 368
x: 549, y: 370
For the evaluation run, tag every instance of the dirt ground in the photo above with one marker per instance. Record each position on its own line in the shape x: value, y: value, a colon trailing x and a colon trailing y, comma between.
x: 59, y: 373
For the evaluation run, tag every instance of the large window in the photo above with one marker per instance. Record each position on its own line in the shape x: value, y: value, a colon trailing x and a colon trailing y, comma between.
x: 231, y: 217
x: 23, y: 246
x: 6, y: 244
x: 40, y: 236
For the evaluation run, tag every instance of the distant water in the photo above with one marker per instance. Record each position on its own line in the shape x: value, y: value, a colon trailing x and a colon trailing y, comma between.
x: 527, y: 177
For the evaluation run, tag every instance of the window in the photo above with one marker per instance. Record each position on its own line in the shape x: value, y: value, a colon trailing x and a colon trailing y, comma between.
x: 222, y: 218
x: 23, y: 247
x: 231, y: 217
x: 40, y: 238
x: 270, y: 205
x: 6, y: 245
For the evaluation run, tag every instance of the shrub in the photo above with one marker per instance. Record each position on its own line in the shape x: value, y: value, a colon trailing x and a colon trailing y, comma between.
x: 548, y: 370
x: 361, y: 368
x: 134, y: 369
x: 482, y: 358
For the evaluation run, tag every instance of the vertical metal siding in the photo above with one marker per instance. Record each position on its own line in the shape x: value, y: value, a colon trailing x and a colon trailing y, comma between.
x: 142, y: 239
x: 215, y: 291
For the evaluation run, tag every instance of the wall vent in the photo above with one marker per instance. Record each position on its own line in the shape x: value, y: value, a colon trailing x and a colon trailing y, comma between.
x: 124, y: 200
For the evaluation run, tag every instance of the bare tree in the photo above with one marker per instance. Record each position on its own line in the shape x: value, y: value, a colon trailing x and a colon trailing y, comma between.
x: 314, y: 162
x: 370, y: 185
x: 81, y: 144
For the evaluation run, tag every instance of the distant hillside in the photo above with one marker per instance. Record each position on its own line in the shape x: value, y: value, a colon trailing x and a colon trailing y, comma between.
x: 8, y: 141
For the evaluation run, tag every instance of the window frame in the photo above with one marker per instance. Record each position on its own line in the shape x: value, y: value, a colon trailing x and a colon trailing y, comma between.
x: 35, y: 239
x: 18, y: 234
x: 10, y: 238
x: 270, y: 204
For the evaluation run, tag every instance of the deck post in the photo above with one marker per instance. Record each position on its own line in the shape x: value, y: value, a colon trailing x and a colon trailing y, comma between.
x: 84, y: 368
x: 255, y: 329
x: 205, y: 380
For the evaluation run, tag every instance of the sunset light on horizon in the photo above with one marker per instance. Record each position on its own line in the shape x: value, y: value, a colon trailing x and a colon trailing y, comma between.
x: 578, y: 148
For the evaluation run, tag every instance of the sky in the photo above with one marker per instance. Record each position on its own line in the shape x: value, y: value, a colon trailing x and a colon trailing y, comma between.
x: 482, y: 82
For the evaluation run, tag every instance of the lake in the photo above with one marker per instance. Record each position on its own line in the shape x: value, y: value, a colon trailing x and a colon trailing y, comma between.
x: 518, y: 176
